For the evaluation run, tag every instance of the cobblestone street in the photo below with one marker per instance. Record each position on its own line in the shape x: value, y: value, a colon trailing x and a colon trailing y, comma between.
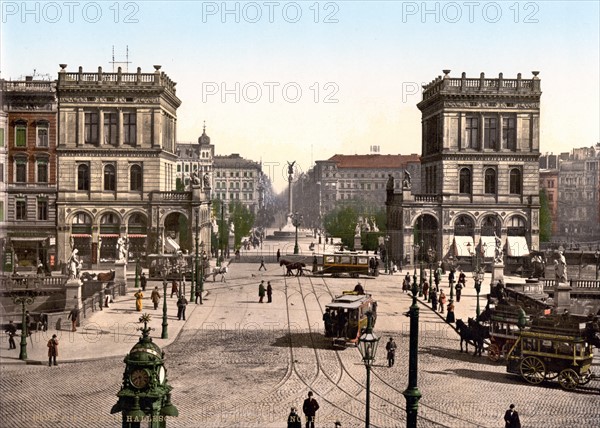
x: 238, y: 363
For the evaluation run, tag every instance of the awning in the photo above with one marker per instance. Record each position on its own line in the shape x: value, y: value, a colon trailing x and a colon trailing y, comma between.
x: 136, y: 235
x: 462, y: 244
x: 109, y: 235
x: 28, y: 238
x: 490, y: 246
x: 516, y: 246
x: 80, y: 235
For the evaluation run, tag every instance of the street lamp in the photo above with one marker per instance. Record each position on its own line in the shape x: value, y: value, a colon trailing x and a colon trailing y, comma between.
x: 367, y: 345
x: 221, y: 234
x: 478, y: 275
x: 431, y: 254
x: 195, y: 269
x: 23, y: 300
x: 597, y: 256
x: 412, y: 393
x: 165, y: 333
x: 387, y: 254
x: 296, y: 221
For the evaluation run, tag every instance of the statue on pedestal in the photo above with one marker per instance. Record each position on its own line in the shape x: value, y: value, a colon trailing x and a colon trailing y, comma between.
x: 498, y: 250
x: 74, y: 263
x: 406, y: 182
x: 122, y: 246
x: 560, y: 268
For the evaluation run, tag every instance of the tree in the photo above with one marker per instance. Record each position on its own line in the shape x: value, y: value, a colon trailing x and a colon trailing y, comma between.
x: 219, y: 237
x: 242, y: 219
x: 545, y: 218
x: 340, y: 222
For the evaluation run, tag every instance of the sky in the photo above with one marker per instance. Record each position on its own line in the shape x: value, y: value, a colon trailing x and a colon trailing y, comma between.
x: 279, y: 81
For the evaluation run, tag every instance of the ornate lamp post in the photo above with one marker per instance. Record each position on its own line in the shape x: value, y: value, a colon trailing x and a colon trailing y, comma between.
x: 597, y: 256
x: 195, y: 269
x: 367, y: 345
x: 296, y: 221
x: 137, y: 273
x: 165, y: 333
x: 431, y: 255
x: 416, y: 248
x: 23, y: 300
x: 412, y: 393
x: 478, y: 276
x: 221, y: 232
x: 421, y: 268
x: 388, y: 268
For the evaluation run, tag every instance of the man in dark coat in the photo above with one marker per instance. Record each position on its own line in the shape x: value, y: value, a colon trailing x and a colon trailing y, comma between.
x: 269, y: 292
x: 261, y: 291
x: 143, y: 281
x: 73, y: 316
x: 181, y: 306
x: 294, y: 420
x: 511, y: 418
x: 278, y: 255
x: 390, y: 347
x: 310, y: 408
x: 11, y: 329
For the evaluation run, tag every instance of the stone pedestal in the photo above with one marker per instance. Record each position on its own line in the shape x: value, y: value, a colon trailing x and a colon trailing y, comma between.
x: 497, y: 273
x: 120, y: 272
x: 562, y: 297
x: 357, y: 243
x: 73, y: 294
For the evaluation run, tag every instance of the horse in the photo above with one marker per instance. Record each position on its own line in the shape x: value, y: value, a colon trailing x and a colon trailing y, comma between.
x: 106, y: 276
x: 479, y: 328
x: 469, y: 335
x: 219, y: 271
x: 299, y: 266
x: 86, y: 276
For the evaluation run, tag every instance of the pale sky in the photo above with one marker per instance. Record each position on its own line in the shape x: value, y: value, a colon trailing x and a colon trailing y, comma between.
x: 279, y: 81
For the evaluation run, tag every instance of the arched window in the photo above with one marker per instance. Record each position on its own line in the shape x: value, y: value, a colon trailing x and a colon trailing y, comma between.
x: 465, y: 181
x: 490, y: 181
x: 109, y: 178
x: 83, y: 177
x: 135, y: 178
x: 515, y: 182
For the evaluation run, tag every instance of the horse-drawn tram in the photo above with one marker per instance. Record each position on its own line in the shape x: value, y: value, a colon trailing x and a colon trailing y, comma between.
x: 505, y: 324
x: 553, y: 348
x: 346, y: 316
x: 353, y: 264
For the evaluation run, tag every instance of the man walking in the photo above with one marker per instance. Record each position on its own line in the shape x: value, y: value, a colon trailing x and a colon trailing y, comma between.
x: 262, y: 264
x: 73, y: 316
x: 155, y: 297
x: 11, y: 329
x: 143, y: 281
x: 458, y: 288
x: 310, y: 408
x: 278, y: 255
x: 52, y: 350
x: 261, y: 291
x: 391, y: 351
x: 269, y: 292
x: 511, y: 418
x: 181, y: 305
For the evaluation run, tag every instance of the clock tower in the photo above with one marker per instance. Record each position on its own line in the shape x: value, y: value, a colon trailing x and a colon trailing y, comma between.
x: 145, y: 396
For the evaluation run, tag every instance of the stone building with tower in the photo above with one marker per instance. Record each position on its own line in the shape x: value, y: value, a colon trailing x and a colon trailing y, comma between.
x: 117, y: 167
x: 479, y: 172
x: 194, y: 158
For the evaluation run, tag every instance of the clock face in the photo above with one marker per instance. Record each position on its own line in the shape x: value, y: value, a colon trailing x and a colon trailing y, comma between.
x: 162, y: 373
x: 139, y: 378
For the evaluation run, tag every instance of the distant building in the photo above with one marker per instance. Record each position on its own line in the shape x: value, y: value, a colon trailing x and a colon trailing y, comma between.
x: 549, y: 182
x: 237, y: 179
x: 28, y: 154
x: 479, y: 172
x: 349, y: 177
x: 195, y: 158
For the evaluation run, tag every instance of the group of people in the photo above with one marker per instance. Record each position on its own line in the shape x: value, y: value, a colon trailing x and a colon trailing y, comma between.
x: 262, y: 290
x: 155, y: 297
x: 336, y: 322
x: 309, y: 408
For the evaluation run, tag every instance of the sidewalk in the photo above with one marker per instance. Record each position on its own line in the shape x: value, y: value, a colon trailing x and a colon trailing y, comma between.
x: 107, y: 333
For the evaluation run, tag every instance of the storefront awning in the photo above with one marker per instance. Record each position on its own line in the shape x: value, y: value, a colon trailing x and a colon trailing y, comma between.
x: 81, y: 235
x: 28, y: 238
x: 462, y: 244
x: 489, y: 245
x: 136, y: 235
x: 109, y: 235
x: 516, y: 246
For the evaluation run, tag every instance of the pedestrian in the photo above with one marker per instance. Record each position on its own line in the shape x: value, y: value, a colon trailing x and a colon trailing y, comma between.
x: 181, y: 305
x: 73, y: 316
x: 434, y: 299
x: 143, y: 281
x: 315, y: 264
x: 451, y: 275
x: 459, y: 288
x: 138, y: 300
x: 294, y: 420
x: 52, y: 350
x: 358, y: 289
x: 450, y: 315
x: 269, y: 292
x: 406, y: 284
x: 28, y: 323
x: 278, y: 257
x: 442, y: 301
x: 174, y: 288
x: 310, y: 408
x: 342, y: 322
x: 262, y: 264
x: 327, y: 322
x: 425, y: 289
x: 511, y: 418
x: 155, y: 297
x: 198, y: 295
x: 462, y: 278
x: 391, y: 351
x: 261, y: 291
x: 11, y: 330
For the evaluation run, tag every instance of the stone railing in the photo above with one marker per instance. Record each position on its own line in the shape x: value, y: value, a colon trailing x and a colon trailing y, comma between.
x: 29, y: 86
x: 33, y: 282
x: 448, y: 84
x: 170, y: 196
x: 586, y: 284
x: 428, y: 198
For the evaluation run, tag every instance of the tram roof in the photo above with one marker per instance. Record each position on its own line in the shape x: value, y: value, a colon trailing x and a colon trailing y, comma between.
x: 349, y: 301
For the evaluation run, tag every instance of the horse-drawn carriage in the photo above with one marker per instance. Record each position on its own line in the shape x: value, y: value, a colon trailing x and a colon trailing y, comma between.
x: 554, y: 347
x: 352, y: 263
x: 173, y: 266
x: 347, y: 315
x: 505, y: 324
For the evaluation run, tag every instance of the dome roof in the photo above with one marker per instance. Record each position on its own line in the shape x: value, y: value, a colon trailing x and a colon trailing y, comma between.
x: 204, y: 139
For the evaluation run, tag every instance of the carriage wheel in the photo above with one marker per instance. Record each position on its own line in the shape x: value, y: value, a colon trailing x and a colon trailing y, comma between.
x: 568, y: 379
x: 551, y: 375
x: 585, y: 377
x: 532, y: 370
x: 506, y: 348
x: 493, y: 352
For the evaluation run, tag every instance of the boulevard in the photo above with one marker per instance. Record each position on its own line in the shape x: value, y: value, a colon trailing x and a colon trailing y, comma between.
x: 239, y: 363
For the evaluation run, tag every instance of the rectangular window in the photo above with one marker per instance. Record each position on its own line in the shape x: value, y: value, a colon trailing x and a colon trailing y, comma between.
x: 1, y: 137
x: 42, y: 136
x: 91, y: 128
x: 20, y: 136
x: 42, y: 172
x: 110, y: 128
x: 21, y: 209
x: 1, y: 173
x: 21, y: 171
x: 489, y: 133
x: 472, y: 133
x: 509, y: 134
x: 129, y: 129
x: 42, y: 209
x: 1, y: 210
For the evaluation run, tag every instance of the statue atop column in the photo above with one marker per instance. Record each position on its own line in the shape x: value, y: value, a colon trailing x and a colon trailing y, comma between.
x: 406, y: 182
x: 560, y: 268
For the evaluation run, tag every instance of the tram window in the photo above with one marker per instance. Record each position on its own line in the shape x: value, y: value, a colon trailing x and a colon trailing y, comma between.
x: 345, y: 259
x: 329, y: 259
x: 362, y: 261
x: 546, y: 346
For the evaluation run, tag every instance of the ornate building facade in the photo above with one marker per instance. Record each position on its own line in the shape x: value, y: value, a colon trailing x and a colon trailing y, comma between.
x: 195, y: 158
x: 236, y: 179
x: 117, y: 167
x: 479, y: 172
x: 29, y: 166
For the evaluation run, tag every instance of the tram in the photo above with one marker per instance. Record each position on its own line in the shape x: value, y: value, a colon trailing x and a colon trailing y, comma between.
x: 504, y: 330
x: 346, y: 316
x: 349, y: 263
